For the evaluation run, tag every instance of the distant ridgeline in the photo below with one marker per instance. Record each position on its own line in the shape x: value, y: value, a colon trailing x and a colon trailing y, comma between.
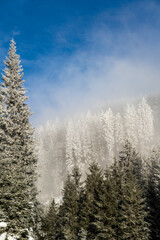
x: 94, y: 137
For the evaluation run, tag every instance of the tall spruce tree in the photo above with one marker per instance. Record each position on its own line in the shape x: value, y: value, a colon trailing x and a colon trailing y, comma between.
x: 107, y: 207
x: 132, y: 212
x: 153, y: 195
x: 3, y: 163
x: 68, y: 215
x: 49, y: 222
x: 18, y: 160
x: 129, y: 158
x: 93, y: 190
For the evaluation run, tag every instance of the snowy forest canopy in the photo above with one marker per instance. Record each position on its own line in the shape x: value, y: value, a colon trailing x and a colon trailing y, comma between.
x: 93, y: 137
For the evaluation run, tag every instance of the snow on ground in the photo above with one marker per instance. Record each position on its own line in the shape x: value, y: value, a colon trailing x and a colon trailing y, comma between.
x: 3, y: 236
x: 30, y: 238
x: 3, y: 224
x: 11, y: 237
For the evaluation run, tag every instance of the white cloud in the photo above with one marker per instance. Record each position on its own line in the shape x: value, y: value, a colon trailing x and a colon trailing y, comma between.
x: 113, y: 64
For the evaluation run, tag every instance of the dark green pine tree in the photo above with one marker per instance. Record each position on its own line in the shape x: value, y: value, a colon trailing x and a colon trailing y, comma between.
x: 153, y: 195
x: 107, y: 209
x: 81, y: 214
x: 116, y: 177
x: 93, y: 188
x: 132, y: 212
x: 68, y: 226
x: 129, y: 157
x: 49, y: 222
x: 18, y: 160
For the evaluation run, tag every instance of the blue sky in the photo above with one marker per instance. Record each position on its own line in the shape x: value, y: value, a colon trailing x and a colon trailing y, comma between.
x: 77, y: 55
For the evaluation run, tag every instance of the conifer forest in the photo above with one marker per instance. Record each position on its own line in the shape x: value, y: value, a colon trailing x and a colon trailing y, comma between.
x: 91, y: 177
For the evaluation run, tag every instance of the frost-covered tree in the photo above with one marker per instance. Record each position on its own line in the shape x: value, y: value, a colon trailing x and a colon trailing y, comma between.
x: 131, y: 125
x: 4, y: 163
x: 18, y: 165
x: 107, y: 120
x: 70, y: 156
x: 145, y: 127
x: 119, y: 133
x: 86, y: 138
x: 78, y: 145
x: 51, y: 159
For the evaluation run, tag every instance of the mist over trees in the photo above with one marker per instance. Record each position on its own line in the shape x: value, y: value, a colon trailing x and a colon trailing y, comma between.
x: 93, y: 137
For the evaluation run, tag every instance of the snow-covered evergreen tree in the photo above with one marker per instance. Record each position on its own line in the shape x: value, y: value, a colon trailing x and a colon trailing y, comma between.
x: 107, y: 120
x: 119, y: 133
x: 51, y: 159
x: 131, y: 125
x: 99, y: 143
x: 78, y: 145
x: 145, y: 127
x: 18, y: 192
x: 4, y: 162
x: 86, y: 138
x: 70, y: 157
